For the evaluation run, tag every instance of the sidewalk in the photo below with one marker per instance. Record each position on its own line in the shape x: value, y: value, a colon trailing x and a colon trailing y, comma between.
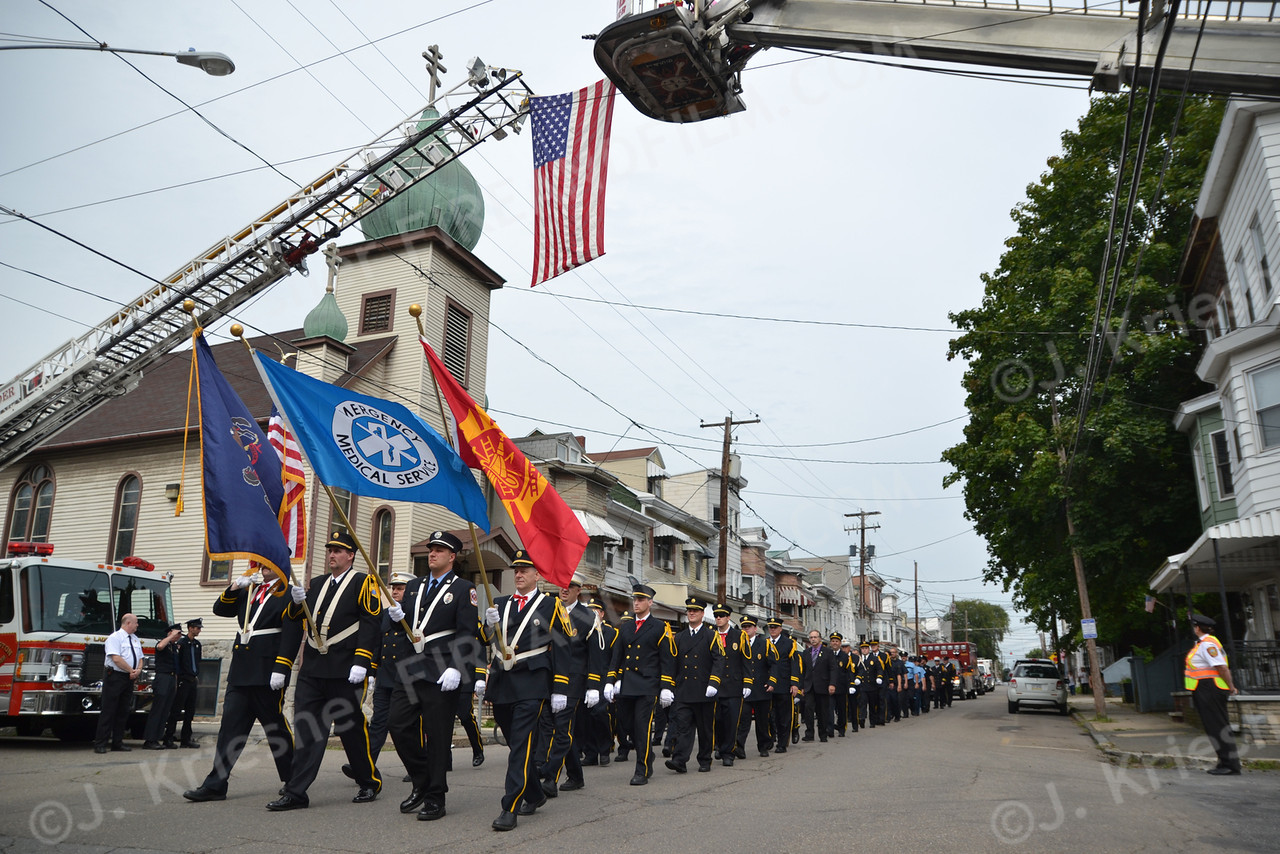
x: 1156, y: 738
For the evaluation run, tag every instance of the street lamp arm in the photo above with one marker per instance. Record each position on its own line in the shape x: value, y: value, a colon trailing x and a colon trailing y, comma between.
x: 211, y: 62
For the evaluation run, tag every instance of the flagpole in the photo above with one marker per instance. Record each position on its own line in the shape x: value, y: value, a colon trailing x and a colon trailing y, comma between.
x: 415, y: 311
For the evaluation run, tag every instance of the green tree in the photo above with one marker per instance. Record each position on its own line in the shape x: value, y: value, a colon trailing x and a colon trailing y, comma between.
x: 1131, y: 485
x: 987, y: 624
x: 1036, y: 653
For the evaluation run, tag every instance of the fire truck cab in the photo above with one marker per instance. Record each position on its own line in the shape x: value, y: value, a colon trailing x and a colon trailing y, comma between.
x: 55, y: 616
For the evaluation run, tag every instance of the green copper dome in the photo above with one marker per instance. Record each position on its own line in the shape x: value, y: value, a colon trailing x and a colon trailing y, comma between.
x: 326, y: 319
x: 450, y: 198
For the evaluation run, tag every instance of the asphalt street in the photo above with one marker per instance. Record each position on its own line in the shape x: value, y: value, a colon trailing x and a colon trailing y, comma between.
x: 969, y: 778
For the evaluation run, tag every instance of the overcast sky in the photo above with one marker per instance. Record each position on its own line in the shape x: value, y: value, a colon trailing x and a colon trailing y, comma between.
x: 847, y: 193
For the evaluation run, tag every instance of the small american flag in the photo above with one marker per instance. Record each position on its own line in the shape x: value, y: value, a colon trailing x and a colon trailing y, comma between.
x: 1150, y: 604
x: 293, y: 517
x: 570, y: 165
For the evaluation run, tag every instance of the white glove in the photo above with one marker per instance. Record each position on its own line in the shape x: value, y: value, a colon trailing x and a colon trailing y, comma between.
x: 879, y: 681
x: 449, y: 680
x: 711, y: 691
x: 479, y: 689
x: 297, y: 594
x: 491, y: 616
x: 609, y: 693
x: 857, y: 682
x: 558, y: 703
x: 746, y: 693
x: 241, y: 582
x: 852, y: 690
x: 357, y: 674
x: 617, y: 687
x: 277, y: 681
x: 666, y: 698
x: 395, y: 612
x: 593, y: 697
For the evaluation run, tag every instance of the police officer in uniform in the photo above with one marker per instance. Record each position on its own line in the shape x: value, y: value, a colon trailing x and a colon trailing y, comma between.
x: 644, y: 664
x: 347, y: 611
x: 699, y: 670
x: 528, y: 669
x: 758, y: 705
x: 736, y: 686
x: 190, y: 653
x: 1208, y: 678
x: 441, y: 610
x: 785, y: 683
x: 593, y: 732
x: 555, y: 730
x: 254, y: 692
x: 163, y: 689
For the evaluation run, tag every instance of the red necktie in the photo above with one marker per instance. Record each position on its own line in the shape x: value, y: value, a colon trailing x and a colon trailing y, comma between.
x: 263, y: 591
x: 520, y: 600
x: 640, y: 623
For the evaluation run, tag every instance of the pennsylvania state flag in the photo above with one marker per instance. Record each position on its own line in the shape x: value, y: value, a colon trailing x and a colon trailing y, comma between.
x: 240, y: 474
x: 370, y: 446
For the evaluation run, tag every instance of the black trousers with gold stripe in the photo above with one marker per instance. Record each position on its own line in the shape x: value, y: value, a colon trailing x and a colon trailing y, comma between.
x: 241, y: 707
x: 728, y: 715
x: 761, y: 711
x: 635, y: 717
x: 519, y: 724
x: 321, y: 703
x: 421, y: 727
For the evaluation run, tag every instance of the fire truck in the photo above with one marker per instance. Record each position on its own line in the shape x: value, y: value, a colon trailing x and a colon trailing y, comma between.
x: 55, y: 616
x: 967, y: 684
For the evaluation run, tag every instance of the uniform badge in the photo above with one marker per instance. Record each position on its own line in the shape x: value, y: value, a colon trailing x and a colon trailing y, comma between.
x: 1211, y: 651
x: 537, y: 623
x: 473, y: 596
x: 448, y: 597
x: 735, y: 646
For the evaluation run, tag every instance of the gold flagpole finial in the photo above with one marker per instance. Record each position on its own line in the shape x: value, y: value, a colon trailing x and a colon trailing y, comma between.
x: 237, y: 331
x: 415, y: 311
x: 189, y: 306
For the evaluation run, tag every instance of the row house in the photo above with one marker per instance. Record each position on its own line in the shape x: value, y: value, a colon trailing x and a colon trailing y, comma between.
x: 1233, y: 430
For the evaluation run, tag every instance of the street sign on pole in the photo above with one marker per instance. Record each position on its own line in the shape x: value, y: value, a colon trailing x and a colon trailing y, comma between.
x: 1090, y: 629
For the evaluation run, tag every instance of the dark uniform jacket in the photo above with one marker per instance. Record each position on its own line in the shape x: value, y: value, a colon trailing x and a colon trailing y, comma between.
x: 572, y: 650
x: 866, y: 669
x: 843, y: 672
x: 446, y: 621
x: 539, y: 668
x: 348, y: 616
x: 394, y: 649
x: 644, y: 658
x: 819, y: 674
x: 764, y: 657
x: 899, y: 668
x: 600, y: 642
x: 786, y: 671
x: 699, y: 663
x: 259, y: 634
x: 739, y: 671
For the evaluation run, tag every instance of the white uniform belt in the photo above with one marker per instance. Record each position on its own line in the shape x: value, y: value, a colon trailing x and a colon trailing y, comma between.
x: 242, y: 637
x: 330, y: 640
x: 418, y: 645
x: 508, y: 663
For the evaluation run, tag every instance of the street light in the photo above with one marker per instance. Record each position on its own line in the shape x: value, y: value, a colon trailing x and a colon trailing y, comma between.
x: 212, y: 62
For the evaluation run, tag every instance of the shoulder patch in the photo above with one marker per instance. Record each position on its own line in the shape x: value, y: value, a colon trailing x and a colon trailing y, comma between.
x: 1211, y: 651
x: 473, y: 596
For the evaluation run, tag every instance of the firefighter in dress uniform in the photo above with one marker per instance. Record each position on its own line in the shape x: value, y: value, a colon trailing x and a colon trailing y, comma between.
x: 341, y: 635
x: 758, y: 705
x: 867, y: 676
x: 699, y: 671
x: 529, y: 669
x: 736, y: 686
x: 1208, y: 678
x: 644, y: 666
x: 593, y: 733
x: 255, y: 692
x: 556, y: 748
x: 784, y: 684
x: 841, y: 673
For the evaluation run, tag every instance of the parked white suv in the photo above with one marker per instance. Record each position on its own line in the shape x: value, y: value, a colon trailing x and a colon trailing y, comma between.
x: 1036, y: 684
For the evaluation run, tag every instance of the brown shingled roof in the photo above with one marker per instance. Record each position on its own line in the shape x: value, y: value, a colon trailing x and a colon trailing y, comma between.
x: 158, y: 406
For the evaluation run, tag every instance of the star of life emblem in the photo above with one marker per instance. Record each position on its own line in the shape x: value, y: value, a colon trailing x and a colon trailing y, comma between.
x: 381, y: 448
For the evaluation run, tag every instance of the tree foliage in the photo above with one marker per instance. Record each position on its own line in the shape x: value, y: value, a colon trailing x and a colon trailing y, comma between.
x: 987, y: 623
x: 1131, y: 488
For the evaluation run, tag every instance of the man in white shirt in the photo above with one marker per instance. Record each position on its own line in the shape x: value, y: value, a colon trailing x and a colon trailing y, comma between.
x: 123, y: 664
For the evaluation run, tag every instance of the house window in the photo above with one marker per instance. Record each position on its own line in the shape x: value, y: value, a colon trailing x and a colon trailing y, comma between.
x: 1260, y: 250
x: 1222, y: 464
x: 662, y: 558
x: 1226, y: 316
x: 654, y: 485
x: 217, y: 571
x: 382, y: 542
x: 1245, y: 285
x: 457, y: 341
x: 335, y: 518
x: 594, y: 553
x: 1202, y: 481
x: 1266, y: 402
x: 32, y: 505
x: 376, y: 311
x: 125, y: 526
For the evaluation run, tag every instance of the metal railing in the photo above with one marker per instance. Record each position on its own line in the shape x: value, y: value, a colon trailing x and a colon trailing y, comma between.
x: 1255, y: 666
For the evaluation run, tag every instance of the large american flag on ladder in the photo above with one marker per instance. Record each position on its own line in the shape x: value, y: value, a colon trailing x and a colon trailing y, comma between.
x: 570, y: 165
x: 293, y: 517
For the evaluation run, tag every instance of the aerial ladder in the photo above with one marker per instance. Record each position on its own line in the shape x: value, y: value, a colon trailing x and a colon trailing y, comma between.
x: 109, y: 359
x: 683, y: 61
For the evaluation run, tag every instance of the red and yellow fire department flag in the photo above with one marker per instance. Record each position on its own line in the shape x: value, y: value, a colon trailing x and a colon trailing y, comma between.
x: 551, y: 534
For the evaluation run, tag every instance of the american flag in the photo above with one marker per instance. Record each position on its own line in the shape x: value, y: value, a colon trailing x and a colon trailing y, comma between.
x: 570, y: 165
x: 293, y: 517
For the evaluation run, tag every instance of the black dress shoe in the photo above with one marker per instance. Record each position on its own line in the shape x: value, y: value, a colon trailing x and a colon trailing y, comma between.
x: 590, y: 760
x: 840, y: 734
x: 823, y: 739
x: 281, y: 792
x: 414, y: 802
x: 549, y: 789
x: 604, y: 760
x: 1224, y: 772
x: 170, y: 745
x: 806, y: 738
x: 622, y: 755
x: 152, y: 745
x: 366, y: 795
x: 407, y: 778
x: 571, y: 785
x: 678, y: 767
x: 202, y: 794
x: 349, y: 773
x: 704, y: 766
x: 639, y: 780
x: 287, y: 802
x: 506, y: 821
x: 715, y: 754
x: 727, y: 761
x: 120, y: 748
x: 740, y: 752
x: 782, y: 749
x: 527, y: 809
x: 431, y: 812
x: 795, y: 737
x: 190, y: 745
x: 666, y: 751
x: 477, y: 759
x: 100, y: 748
x: 764, y: 753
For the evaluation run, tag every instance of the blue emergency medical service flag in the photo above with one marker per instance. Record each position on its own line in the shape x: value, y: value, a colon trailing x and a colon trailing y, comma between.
x: 240, y: 474
x: 370, y: 446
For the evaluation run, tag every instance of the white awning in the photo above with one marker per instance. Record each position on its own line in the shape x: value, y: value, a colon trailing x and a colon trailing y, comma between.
x: 668, y: 532
x: 597, y: 526
x: 1248, y: 549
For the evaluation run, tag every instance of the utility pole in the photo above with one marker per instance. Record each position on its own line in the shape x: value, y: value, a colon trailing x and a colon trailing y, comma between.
x: 1095, y: 672
x: 966, y: 625
x: 722, y: 559
x: 862, y: 556
x: 916, y: 564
